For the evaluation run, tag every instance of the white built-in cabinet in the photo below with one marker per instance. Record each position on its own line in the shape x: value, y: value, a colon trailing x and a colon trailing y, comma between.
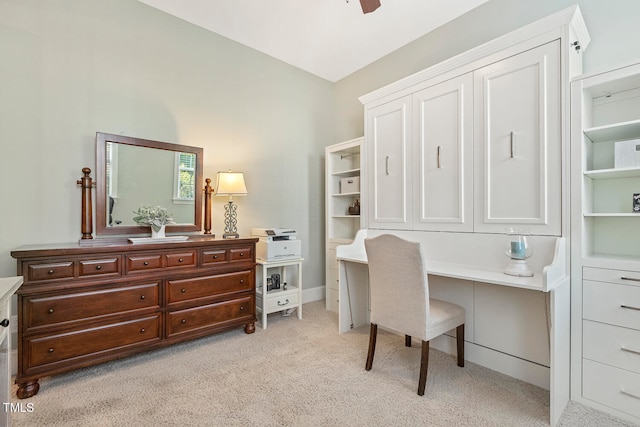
x: 605, y: 256
x: 342, y: 162
x: 479, y: 151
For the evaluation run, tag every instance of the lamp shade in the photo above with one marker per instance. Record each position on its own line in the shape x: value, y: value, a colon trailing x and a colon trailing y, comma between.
x: 230, y: 184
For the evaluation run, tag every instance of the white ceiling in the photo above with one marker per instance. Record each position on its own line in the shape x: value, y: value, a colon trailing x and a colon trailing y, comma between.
x: 329, y: 38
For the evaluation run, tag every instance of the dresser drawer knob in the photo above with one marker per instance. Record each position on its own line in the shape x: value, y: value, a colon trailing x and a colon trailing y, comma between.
x: 215, y: 257
x: 183, y: 321
x: 50, y: 311
x: 98, y: 267
x: 5, y: 322
x: 50, y: 272
x: 142, y: 297
x: 180, y: 259
x: 183, y: 290
x: 241, y: 253
x: 143, y: 330
x: 241, y: 280
x: 242, y: 308
x: 51, y: 350
x: 146, y: 263
x: 284, y: 303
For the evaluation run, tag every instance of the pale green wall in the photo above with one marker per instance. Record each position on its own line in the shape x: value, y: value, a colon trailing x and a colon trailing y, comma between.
x: 612, y: 25
x: 69, y: 68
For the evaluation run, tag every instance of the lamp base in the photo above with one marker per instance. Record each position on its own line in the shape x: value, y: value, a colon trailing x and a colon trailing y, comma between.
x: 518, y: 267
x: 230, y: 236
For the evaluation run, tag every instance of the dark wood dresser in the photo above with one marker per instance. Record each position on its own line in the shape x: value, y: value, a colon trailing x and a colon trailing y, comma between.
x: 81, y: 305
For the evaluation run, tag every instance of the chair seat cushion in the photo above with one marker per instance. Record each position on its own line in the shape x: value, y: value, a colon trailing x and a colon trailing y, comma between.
x: 444, y: 316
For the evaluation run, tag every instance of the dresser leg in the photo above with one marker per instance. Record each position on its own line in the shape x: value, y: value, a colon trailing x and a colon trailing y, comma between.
x: 28, y: 389
x: 250, y: 328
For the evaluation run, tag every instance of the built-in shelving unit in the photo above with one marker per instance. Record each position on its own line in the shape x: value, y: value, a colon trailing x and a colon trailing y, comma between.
x: 605, y: 258
x: 343, y: 164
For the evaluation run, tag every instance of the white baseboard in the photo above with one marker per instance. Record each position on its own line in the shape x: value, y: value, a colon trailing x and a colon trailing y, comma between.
x: 515, y: 367
x: 313, y: 294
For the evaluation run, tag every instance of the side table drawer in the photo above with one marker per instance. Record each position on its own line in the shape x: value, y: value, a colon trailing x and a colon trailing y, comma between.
x: 281, y: 301
x: 613, y: 304
x: 51, y: 310
x: 68, y: 345
x: 612, y: 345
x: 207, y: 286
x: 617, y: 388
x: 205, y: 316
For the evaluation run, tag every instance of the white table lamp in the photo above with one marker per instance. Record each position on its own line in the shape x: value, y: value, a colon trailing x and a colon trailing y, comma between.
x: 230, y: 184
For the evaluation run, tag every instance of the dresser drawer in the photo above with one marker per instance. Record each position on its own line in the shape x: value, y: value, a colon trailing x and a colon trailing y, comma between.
x: 143, y: 262
x: 616, y: 388
x: 623, y: 277
x: 241, y: 254
x: 69, y: 345
x: 614, y: 304
x: 612, y: 345
x: 51, y: 310
x: 49, y: 271
x: 181, y: 259
x: 213, y: 256
x: 97, y: 267
x: 205, y: 316
x: 201, y: 287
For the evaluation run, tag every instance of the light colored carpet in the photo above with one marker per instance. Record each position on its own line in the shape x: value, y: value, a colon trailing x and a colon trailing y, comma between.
x: 294, y: 373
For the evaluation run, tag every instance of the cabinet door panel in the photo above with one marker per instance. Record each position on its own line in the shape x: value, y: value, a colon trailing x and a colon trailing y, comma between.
x: 389, y: 135
x: 443, y: 193
x: 519, y: 143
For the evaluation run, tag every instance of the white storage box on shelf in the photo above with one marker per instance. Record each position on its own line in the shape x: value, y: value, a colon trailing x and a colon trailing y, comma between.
x: 350, y: 185
x: 627, y: 154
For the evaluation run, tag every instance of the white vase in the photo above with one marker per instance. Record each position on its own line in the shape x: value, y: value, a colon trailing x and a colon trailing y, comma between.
x: 158, y: 234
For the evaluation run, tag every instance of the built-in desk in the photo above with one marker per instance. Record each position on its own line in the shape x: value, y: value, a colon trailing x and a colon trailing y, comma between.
x: 515, y: 325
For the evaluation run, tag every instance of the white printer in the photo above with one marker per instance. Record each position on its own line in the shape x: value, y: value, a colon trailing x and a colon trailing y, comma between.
x: 276, y: 244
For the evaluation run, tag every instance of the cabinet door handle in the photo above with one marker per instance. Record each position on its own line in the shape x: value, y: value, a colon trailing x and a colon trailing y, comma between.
x: 285, y: 302
x: 511, y: 144
x: 386, y: 165
x: 438, y: 156
x: 629, y: 307
x: 633, y: 279
x: 628, y: 350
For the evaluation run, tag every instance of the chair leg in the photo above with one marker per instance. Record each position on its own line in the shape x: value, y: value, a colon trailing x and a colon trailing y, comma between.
x: 373, y: 333
x: 424, y: 364
x: 460, y: 342
x: 407, y: 340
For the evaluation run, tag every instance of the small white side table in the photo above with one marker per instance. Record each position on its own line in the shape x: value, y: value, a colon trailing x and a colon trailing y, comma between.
x: 8, y: 285
x: 279, y: 299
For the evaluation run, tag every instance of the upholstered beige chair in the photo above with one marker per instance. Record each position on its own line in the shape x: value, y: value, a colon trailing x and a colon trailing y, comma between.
x: 400, y: 300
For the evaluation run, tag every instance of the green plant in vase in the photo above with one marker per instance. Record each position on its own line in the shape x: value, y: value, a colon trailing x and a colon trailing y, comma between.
x: 154, y: 216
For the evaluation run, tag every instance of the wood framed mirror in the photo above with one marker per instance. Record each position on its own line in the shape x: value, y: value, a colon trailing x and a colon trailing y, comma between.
x: 131, y: 172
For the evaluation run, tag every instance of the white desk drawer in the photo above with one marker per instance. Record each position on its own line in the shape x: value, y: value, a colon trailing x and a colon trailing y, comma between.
x: 617, y: 388
x: 614, y: 304
x: 613, y: 345
x: 622, y: 277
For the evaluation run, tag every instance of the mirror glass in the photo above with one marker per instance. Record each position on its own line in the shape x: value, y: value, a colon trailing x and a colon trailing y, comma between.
x: 132, y: 172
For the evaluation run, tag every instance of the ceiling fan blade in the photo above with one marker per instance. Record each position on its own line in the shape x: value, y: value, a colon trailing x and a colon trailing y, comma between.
x: 369, y: 5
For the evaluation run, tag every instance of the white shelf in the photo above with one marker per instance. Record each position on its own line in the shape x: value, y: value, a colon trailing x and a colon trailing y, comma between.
x: 614, y: 132
x: 611, y: 215
x: 613, y: 173
x: 347, y: 172
x: 355, y: 193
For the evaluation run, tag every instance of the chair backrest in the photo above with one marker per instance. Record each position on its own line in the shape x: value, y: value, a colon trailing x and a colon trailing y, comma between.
x: 398, y: 285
